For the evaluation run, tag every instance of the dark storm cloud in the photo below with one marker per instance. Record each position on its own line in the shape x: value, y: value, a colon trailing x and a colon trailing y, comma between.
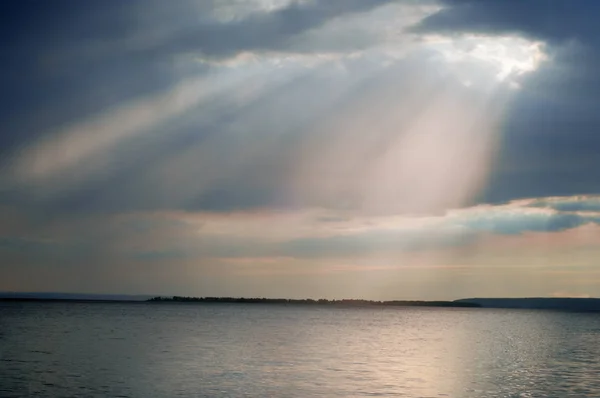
x: 47, y: 80
x: 187, y: 25
x: 265, y: 31
x: 67, y: 59
x: 556, y: 20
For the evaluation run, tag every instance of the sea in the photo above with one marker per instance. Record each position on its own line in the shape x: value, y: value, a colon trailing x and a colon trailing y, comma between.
x: 58, y: 349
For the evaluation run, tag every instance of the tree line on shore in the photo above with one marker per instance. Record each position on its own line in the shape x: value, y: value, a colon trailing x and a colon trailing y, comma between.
x: 348, y: 302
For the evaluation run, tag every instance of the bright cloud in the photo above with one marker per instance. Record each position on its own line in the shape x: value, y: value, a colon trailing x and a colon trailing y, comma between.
x: 505, y: 58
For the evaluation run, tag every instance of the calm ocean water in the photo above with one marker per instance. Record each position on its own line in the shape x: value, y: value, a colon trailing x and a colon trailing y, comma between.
x: 228, y: 350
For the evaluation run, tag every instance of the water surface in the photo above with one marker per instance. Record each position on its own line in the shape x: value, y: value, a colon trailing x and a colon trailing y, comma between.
x: 244, y: 350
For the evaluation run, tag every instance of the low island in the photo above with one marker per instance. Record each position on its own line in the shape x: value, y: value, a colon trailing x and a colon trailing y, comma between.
x: 323, y: 302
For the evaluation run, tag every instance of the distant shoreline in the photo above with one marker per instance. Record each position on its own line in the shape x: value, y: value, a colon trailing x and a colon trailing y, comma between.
x: 66, y: 300
x: 532, y: 303
x: 319, y: 302
x: 242, y: 300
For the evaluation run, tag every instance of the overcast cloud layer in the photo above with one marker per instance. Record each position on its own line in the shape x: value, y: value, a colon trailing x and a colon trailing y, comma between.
x: 323, y: 148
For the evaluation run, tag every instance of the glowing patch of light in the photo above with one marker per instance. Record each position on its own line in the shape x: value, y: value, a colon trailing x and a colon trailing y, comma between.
x: 503, y: 57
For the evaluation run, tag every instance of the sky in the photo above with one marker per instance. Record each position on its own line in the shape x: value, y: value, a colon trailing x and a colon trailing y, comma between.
x: 382, y: 149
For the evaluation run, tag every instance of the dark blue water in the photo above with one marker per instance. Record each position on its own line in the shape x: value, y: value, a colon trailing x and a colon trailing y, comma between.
x: 227, y: 350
